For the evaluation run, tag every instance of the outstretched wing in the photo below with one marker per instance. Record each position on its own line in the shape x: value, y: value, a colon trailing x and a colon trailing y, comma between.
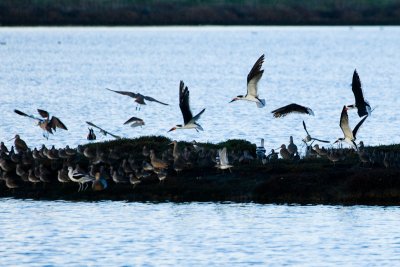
x: 358, y: 95
x: 358, y: 126
x: 131, y: 94
x: 184, y: 102
x: 102, y: 130
x: 254, y: 76
x: 43, y: 113
x: 316, y: 139
x: 305, y: 128
x: 57, y: 123
x: 344, y: 123
x: 223, y: 157
x: 133, y: 119
x: 195, y: 118
x: 291, y: 108
x: 25, y: 115
x: 149, y: 98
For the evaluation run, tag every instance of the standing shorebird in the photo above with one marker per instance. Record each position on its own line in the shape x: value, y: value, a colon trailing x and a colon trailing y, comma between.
x: 19, y: 144
x: 139, y: 98
x: 349, y: 135
x: 46, y: 123
x: 260, y: 150
x: 79, y: 177
x: 291, y: 108
x: 223, y: 160
x: 363, y: 107
x: 188, y: 119
x: 253, y: 77
x: 91, y: 135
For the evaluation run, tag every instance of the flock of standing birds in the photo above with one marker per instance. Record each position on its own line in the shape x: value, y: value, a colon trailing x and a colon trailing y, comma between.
x: 21, y: 164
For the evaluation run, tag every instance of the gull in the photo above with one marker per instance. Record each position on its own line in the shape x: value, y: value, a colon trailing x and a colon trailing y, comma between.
x: 291, y: 108
x: 223, y: 163
x: 349, y: 135
x: 253, y: 77
x: 45, y: 122
x: 363, y: 107
x: 308, y: 138
x: 188, y: 119
x: 104, y: 132
x: 135, y: 122
x: 139, y: 98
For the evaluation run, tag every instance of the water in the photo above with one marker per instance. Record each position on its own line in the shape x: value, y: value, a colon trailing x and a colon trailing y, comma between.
x: 38, y: 233
x: 66, y: 71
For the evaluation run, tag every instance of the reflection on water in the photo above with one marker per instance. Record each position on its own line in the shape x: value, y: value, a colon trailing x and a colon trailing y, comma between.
x: 66, y: 71
x: 197, y: 234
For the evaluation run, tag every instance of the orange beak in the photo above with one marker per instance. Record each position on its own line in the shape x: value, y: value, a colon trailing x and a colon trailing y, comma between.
x: 172, y: 129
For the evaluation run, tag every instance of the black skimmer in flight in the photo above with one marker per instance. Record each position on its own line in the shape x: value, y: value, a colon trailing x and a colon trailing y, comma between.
x: 291, y: 108
x: 135, y: 122
x: 139, y: 98
x: 349, y: 135
x: 45, y: 122
x: 363, y: 107
x: 308, y: 138
x: 253, y: 77
x: 188, y: 119
x: 104, y: 132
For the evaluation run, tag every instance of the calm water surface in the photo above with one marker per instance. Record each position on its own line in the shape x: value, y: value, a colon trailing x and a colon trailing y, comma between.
x: 66, y: 71
x: 38, y: 233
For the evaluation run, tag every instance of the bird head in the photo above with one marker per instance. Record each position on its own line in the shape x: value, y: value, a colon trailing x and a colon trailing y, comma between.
x: 338, y: 140
x: 236, y: 98
x: 172, y: 129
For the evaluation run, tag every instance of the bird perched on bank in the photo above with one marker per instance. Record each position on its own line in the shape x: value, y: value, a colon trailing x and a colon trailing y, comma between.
x: 223, y: 163
x: 139, y: 98
x: 135, y: 122
x: 363, y: 107
x: 188, y: 119
x: 349, y: 135
x: 291, y: 108
x: 260, y: 150
x: 292, y: 148
x: 253, y: 78
x: 19, y: 144
x: 285, y: 154
x: 45, y: 122
x: 91, y: 135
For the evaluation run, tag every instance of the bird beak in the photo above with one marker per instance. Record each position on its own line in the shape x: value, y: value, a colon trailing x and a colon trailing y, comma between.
x: 172, y: 129
x: 233, y: 100
x: 336, y: 141
x: 11, y: 139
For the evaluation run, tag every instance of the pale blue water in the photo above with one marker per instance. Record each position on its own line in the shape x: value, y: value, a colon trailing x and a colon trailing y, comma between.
x: 66, y: 71
x: 56, y: 233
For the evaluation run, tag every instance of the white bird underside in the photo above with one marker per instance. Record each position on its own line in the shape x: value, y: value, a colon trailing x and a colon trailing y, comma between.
x: 223, y: 159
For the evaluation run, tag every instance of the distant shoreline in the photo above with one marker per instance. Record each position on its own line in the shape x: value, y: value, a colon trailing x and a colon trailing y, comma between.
x: 191, y: 13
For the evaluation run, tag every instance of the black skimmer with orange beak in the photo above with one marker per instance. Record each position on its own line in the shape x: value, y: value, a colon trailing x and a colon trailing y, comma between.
x: 253, y: 77
x: 363, y: 107
x: 349, y: 135
x: 188, y: 119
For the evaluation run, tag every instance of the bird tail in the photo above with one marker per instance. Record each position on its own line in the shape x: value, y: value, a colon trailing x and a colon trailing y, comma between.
x: 261, y: 104
x: 309, y: 110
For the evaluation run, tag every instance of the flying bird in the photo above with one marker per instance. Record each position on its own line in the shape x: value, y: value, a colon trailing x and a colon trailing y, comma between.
x: 223, y: 160
x: 363, y: 107
x: 349, y: 135
x: 139, y: 98
x: 45, y: 122
x: 308, y: 138
x: 291, y: 108
x: 253, y: 77
x: 135, y: 122
x: 104, y: 132
x: 188, y: 119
